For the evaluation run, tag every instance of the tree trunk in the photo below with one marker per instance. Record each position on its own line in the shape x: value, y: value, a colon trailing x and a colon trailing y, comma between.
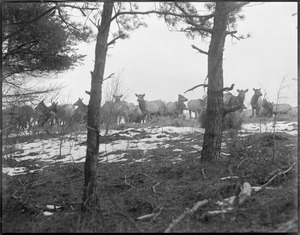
x: 93, y: 118
x: 214, y: 113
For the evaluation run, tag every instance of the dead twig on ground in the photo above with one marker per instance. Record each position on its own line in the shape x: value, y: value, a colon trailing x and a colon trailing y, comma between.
x: 153, y: 187
x: 187, y: 212
x: 126, y: 182
x: 280, y: 173
x: 203, y: 173
x: 157, y: 214
x: 130, y: 219
x: 238, y: 166
x: 144, y: 175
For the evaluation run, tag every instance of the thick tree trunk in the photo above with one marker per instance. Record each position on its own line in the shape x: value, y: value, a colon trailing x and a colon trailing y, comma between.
x: 213, y: 131
x: 93, y: 119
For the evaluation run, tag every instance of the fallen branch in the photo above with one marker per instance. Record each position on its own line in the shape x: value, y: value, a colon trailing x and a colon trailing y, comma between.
x: 144, y: 175
x: 241, y: 163
x: 129, y: 218
x: 153, y: 187
x: 31, y: 208
x: 203, y: 173
x: 280, y: 173
x: 126, y: 182
x: 187, y: 212
x: 157, y: 214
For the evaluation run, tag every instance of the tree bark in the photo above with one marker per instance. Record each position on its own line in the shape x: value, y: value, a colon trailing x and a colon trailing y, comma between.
x: 214, y: 113
x: 93, y: 118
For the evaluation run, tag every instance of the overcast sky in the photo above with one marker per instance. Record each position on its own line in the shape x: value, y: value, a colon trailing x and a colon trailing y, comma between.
x: 162, y: 64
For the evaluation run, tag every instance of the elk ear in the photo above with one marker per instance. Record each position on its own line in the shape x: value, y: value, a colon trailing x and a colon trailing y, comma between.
x: 143, y: 95
x: 246, y: 90
x: 121, y: 96
x: 238, y: 90
x: 136, y: 95
x: 254, y: 89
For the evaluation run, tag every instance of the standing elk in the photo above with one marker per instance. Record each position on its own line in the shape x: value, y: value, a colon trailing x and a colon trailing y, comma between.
x: 256, y: 101
x: 174, y: 109
x: 266, y: 109
x: 148, y: 108
x: 281, y: 108
x: 80, y: 114
x: 121, y: 109
x: 195, y: 106
x: 238, y: 100
x: 65, y: 113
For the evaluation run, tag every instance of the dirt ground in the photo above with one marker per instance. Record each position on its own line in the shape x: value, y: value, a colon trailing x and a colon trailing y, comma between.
x: 148, y: 196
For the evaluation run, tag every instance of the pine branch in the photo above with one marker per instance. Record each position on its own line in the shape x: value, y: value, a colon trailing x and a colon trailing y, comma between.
x: 25, y: 24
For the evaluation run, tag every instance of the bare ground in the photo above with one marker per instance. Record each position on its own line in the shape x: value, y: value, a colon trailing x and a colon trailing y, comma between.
x: 162, y: 188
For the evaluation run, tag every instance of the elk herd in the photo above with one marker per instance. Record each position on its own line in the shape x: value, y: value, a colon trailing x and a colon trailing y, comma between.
x: 25, y: 117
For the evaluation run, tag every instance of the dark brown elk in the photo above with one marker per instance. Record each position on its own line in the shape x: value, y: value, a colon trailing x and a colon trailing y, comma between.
x: 65, y: 113
x: 226, y: 98
x: 195, y: 106
x: 44, y: 114
x: 174, y: 109
x: 281, y: 108
x: 129, y: 111
x: 148, y: 108
x: 80, y: 114
x: 266, y: 109
x: 135, y: 113
x: 238, y: 100
x: 121, y: 109
x: 256, y: 101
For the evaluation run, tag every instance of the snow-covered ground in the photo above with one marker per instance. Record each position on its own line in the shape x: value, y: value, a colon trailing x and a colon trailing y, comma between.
x: 68, y: 150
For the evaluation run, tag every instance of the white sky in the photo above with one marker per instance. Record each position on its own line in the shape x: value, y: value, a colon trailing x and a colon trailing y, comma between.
x: 162, y: 64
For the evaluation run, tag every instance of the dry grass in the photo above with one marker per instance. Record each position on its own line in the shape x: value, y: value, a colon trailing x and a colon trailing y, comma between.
x: 163, y: 186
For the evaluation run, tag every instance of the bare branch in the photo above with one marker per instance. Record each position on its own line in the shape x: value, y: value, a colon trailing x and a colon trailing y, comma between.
x: 228, y: 88
x: 231, y: 32
x: 198, y: 49
x: 79, y: 8
x: 187, y: 212
x: 71, y: 27
x: 280, y: 173
x: 156, y: 12
x: 113, y: 41
x: 204, y: 85
x: 27, y: 94
x: 109, y: 76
